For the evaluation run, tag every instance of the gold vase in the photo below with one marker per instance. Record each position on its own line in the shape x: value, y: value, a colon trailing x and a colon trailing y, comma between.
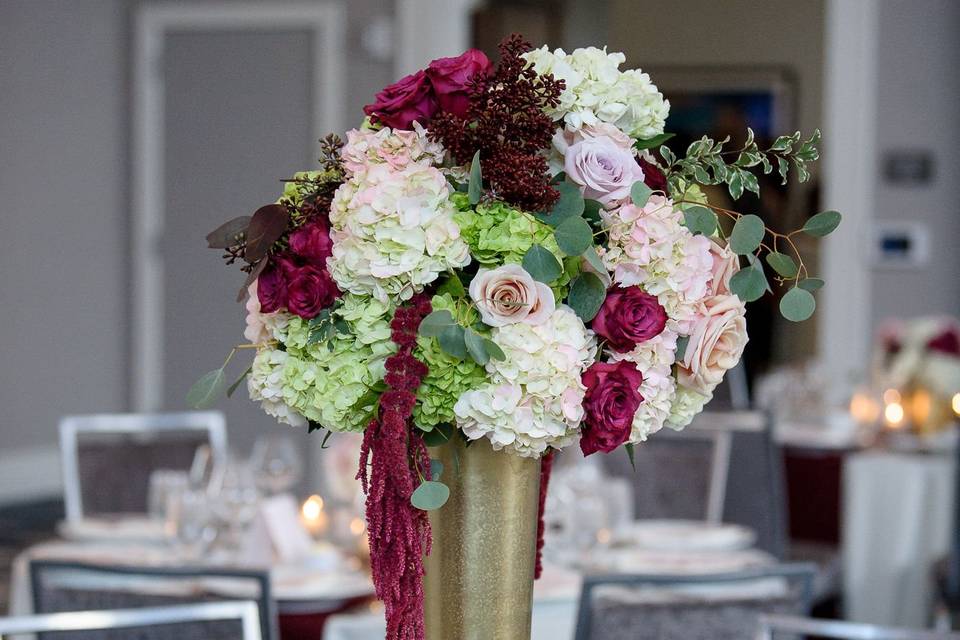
x: 479, y: 576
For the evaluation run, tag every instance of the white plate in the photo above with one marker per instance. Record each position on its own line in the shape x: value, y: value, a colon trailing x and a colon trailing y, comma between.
x: 672, y: 563
x: 684, y: 535
x: 298, y: 583
x: 122, y: 530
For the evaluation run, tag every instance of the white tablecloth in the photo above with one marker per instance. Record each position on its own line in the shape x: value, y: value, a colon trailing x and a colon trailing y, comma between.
x: 897, y: 518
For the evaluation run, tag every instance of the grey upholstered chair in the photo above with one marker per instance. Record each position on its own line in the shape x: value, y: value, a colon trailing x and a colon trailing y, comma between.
x: 108, y: 459
x: 637, y: 607
x: 241, y: 618
x: 780, y: 627
x: 59, y: 586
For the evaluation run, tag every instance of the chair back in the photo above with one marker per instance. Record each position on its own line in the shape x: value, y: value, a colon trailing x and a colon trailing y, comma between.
x: 60, y: 586
x: 207, y: 621
x: 777, y: 627
x: 97, y: 450
x: 709, y: 607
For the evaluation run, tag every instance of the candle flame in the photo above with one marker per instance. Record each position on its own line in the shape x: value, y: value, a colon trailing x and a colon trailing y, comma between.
x: 956, y: 403
x: 312, y: 508
x: 893, y: 414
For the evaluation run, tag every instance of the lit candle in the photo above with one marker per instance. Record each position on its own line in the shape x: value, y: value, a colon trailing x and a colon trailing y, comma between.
x: 313, y: 516
x: 864, y: 408
x: 893, y: 415
x: 956, y: 403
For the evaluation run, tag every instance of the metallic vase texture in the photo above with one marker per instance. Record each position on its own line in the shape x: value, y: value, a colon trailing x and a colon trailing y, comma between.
x: 479, y: 582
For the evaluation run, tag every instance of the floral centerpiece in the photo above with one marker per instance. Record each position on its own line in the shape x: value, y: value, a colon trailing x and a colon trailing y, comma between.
x: 510, y: 254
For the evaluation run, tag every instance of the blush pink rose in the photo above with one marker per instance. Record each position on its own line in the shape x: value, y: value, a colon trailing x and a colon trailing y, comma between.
x: 612, y: 398
x: 450, y: 77
x: 604, y: 170
x: 410, y: 99
x: 628, y: 317
x: 508, y: 294
x: 716, y: 343
x: 725, y: 264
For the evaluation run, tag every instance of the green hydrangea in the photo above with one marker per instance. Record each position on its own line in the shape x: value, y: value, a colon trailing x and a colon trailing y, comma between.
x: 333, y: 382
x: 448, y: 378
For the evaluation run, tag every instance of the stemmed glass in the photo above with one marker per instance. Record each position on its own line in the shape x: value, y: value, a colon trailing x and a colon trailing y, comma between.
x: 276, y: 464
x: 234, y: 498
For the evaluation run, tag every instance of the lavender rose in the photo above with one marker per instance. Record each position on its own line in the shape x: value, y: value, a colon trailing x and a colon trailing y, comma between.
x: 604, y: 170
x: 628, y: 317
x: 310, y: 290
x: 450, y: 76
x: 312, y: 242
x: 509, y: 294
x: 611, y: 400
x: 716, y: 343
x: 409, y: 99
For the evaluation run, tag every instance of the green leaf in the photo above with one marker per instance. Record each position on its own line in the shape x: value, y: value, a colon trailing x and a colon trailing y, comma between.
x: 667, y: 155
x: 494, y: 350
x: 749, y: 284
x: 439, y: 435
x: 747, y: 235
x: 783, y: 167
x: 430, y: 495
x: 540, y: 263
x: 750, y: 182
x: 810, y: 284
x: 233, y: 387
x: 475, y: 186
x: 593, y: 258
x: 574, y: 235
x: 569, y: 205
x: 591, y: 211
x: 326, y: 437
x: 735, y: 185
x: 782, y: 264
x: 587, y: 294
x: 436, y: 323
x: 630, y: 454
x: 797, y: 305
x: 436, y: 469
x: 700, y: 220
x: 682, y: 343
x: 452, y: 285
x: 655, y: 141
x: 452, y: 340
x: 205, y: 391
x: 822, y: 224
x: 476, y: 347
x: 640, y: 193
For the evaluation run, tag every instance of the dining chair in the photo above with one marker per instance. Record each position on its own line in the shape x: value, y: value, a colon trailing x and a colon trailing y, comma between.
x: 705, y: 607
x: 205, y: 621
x: 107, y: 459
x: 59, y: 586
x: 775, y: 627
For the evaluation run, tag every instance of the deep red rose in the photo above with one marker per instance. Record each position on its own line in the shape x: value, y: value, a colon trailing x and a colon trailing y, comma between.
x: 613, y: 395
x: 406, y: 100
x: 312, y: 242
x: 948, y: 342
x: 310, y: 289
x: 628, y: 317
x: 450, y: 76
x: 653, y: 177
x: 272, y: 284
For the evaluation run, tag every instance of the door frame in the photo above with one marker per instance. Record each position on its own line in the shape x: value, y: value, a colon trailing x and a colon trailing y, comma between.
x: 327, y: 23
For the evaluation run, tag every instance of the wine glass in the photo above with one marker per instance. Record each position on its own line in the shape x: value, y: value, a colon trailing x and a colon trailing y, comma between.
x: 276, y: 464
x: 234, y: 498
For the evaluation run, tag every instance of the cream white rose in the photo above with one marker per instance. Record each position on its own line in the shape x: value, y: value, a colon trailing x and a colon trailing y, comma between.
x: 509, y: 294
x: 716, y: 343
x: 725, y: 264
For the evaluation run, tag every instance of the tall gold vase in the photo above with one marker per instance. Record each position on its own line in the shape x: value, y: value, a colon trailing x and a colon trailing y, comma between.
x: 479, y: 577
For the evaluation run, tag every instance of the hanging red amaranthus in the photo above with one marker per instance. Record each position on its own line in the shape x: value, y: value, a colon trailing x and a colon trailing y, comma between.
x: 546, y: 465
x: 398, y: 532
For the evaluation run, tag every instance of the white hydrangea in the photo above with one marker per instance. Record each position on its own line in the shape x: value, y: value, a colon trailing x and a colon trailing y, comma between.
x: 597, y: 91
x: 265, y: 385
x: 658, y: 390
x: 393, y: 231
x: 534, y: 399
x: 687, y: 403
x: 262, y: 327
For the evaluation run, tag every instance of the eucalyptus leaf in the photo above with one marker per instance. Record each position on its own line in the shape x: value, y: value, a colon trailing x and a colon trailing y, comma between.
x: 640, y: 193
x: 452, y: 340
x: 783, y: 264
x: 682, y: 343
x: 630, y: 454
x: 747, y: 234
x: 822, y: 224
x: 435, y: 323
x: 236, y: 383
x: 226, y: 234
x: 205, y: 391
x: 540, y: 263
x: 569, y: 205
x: 430, y: 495
x: 587, y: 294
x: 494, y: 350
x: 797, y: 305
x: 749, y: 284
x: 476, y: 347
x: 452, y: 285
x: 574, y: 235
x: 591, y: 211
x: 701, y: 220
x: 810, y: 284
x: 475, y: 186
x: 653, y: 142
x: 594, y: 260
x: 266, y: 226
x: 436, y: 469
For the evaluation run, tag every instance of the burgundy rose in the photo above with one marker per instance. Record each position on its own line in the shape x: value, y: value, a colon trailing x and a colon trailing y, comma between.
x: 450, y: 76
x: 312, y: 242
x: 406, y: 100
x: 947, y: 342
x: 272, y: 284
x: 613, y: 395
x: 628, y: 317
x: 653, y: 177
x: 309, y: 290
